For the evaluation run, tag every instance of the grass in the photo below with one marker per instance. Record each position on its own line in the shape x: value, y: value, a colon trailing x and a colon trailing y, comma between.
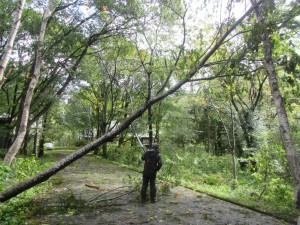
x: 17, y: 209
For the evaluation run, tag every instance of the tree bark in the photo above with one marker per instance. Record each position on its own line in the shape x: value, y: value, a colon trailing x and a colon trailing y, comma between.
x: 42, y: 140
x: 150, y: 127
x: 233, y: 149
x: 283, y: 121
x: 36, y: 140
x: 282, y: 115
x: 10, y: 42
x: 13, y: 150
x: 45, y: 175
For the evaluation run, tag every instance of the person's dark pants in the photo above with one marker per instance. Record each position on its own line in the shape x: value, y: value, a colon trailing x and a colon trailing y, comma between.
x: 146, y: 180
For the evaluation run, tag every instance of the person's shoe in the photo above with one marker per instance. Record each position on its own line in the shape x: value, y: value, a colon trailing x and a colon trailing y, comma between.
x: 153, y: 200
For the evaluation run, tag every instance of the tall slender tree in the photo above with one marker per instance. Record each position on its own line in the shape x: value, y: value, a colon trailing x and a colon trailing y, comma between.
x: 266, y: 39
x: 13, y: 150
x: 10, y: 41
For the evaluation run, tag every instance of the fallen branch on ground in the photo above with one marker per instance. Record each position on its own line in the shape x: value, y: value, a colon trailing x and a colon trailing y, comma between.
x: 119, y: 196
x: 92, y: 199
x: 92, y: 186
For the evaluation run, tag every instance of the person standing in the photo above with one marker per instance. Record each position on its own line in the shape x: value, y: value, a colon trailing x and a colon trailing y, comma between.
x: 152, y: 164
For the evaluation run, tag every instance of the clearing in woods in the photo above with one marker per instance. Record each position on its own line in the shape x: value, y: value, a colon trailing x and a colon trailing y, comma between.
x: 71, y: 201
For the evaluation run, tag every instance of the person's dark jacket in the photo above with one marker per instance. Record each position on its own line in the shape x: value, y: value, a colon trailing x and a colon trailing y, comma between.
x: 152, y: 163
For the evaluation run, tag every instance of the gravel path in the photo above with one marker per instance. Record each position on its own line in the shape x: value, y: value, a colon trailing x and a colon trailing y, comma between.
x: 72, y: 202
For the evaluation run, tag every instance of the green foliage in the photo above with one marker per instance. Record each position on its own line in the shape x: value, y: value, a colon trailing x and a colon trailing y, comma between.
x: 68, y: 202
x: 272, y: 179
x: 126, y: 155
x: 2, y: 152
x: 32, y: 22
x: 7, y: 8
x: 81, y: 142
x: 16, y: 210
x: 56, y: 180
x: 165, y: 187
x: 133, y: 182
x: 5, y: 174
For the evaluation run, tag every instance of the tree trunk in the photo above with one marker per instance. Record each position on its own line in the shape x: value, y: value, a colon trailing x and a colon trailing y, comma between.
x: 24, y: 148
x: 45, y: 175
x: 42, y: 140
x: 104, y: 151
x: 36, y: 140
x: 158, y: 124
x: 283, y: 120
x: 208, y: 131
x: 246, y: 120
x: 233, y: 149
x: 282, y: 115
x: 150, y: 128
x: 41, y: 146
x: 104, y: 123
x: 13, y: 150
x: 98, y: 131
x: 10, y: 41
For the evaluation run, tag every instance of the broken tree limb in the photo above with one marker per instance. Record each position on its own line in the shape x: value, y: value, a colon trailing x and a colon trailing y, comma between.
x: 112, y: 190
x: 92, y: 186
x: 119, y: 196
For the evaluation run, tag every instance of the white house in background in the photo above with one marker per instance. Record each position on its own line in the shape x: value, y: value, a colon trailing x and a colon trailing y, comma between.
x: 48, y: 146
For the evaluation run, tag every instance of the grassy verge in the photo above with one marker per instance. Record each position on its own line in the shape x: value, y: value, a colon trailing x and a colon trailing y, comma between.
x: 18, y: 209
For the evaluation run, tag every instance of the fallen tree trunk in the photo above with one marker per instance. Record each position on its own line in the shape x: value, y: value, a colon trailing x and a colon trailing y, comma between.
x: 45, y: 175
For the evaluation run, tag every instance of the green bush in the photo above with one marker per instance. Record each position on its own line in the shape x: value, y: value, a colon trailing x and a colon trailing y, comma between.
x: 81, y: 142
x: 127, y: 155
x: 2, y: 153
x: 17, y: 209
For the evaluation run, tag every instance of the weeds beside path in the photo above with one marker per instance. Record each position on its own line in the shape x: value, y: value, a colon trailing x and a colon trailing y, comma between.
x: 71, y: 201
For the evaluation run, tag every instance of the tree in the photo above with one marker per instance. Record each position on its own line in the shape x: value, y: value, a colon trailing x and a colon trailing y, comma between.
x: 10, y: 41
x: 152, y: 56
x: 265, y: 35
x: 230, y: 137
x: 36, y: 74
x: 180, y: 111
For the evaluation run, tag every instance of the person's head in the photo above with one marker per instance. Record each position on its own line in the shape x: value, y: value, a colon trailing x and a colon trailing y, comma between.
x: 155, y: 146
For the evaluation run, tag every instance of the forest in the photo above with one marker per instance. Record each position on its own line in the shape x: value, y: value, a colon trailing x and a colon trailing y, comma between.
x: 214, y: 82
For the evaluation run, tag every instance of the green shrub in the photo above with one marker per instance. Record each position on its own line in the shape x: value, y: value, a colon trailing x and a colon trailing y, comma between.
x: 3, y: 152
x: 17, y: 209
x: 81, y: 142
x: 127, y: 155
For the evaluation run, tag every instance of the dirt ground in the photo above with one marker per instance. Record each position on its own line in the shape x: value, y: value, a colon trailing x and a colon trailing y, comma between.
x: 72, y: 202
